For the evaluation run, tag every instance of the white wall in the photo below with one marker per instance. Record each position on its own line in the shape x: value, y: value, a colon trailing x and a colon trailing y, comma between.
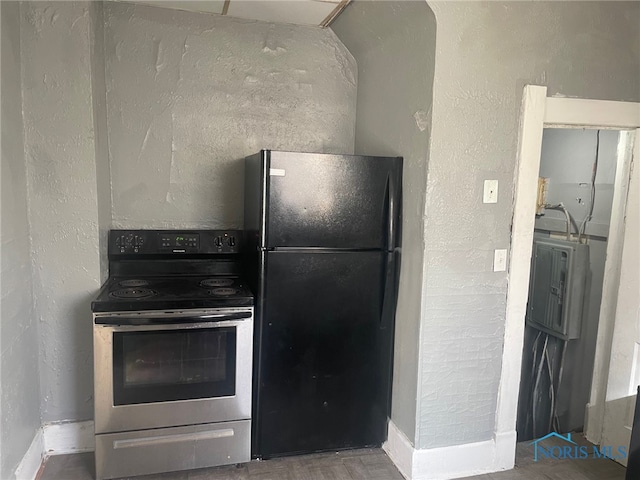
x: 189, y: 95
x: 63, y: 210
x: 485, y: 53
x: 20, y: 397
x: 395, y: 83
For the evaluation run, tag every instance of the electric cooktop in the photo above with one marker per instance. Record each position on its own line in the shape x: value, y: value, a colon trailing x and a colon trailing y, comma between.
x: 173, y: 270
x: 173, y: 292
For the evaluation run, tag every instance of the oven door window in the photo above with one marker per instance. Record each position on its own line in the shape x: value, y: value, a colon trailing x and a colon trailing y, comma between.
x: 170, y: 365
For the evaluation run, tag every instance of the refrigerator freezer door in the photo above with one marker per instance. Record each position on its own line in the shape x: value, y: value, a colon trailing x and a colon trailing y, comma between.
x: 332, y: 201
x: 326, y: 353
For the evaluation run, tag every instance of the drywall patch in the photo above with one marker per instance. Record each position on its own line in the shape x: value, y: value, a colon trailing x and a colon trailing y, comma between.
x: 422, y: 119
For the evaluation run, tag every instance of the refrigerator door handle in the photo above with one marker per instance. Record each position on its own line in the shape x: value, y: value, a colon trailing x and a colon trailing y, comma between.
x: 391, y: 211
x: 389, y: 289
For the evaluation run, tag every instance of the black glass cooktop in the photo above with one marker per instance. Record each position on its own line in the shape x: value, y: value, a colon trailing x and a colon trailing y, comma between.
x: 171, y: 292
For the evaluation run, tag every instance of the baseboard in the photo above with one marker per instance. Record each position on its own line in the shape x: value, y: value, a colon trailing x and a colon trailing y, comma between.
x: 592, y: 424
x: 456, y: 461
x: 68, y: 437
x: 429, y: 464
x: 400, y: 450
x: 32, y: 460
x: 55, y: 439
x: 466, y: 460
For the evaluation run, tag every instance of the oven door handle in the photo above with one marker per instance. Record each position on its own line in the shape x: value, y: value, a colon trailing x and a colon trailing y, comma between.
x: 171, y: 319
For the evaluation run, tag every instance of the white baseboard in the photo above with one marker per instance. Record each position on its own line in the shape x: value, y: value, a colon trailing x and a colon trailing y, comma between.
x: 68, y: 437
x: 55, y: 439
x: 430, y: 464
x: 456, y: 461
x: 400, y: 450
x: 593, y: 424
x: 30, y: 464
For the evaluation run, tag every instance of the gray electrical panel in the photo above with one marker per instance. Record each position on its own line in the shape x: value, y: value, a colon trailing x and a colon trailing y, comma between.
x: 559, y: 271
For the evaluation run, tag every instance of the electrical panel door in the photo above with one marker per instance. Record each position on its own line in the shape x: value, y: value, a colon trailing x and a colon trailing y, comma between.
x: 557, y: 286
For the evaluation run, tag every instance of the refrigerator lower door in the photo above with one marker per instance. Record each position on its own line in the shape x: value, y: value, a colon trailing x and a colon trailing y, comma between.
x: 325, y: 353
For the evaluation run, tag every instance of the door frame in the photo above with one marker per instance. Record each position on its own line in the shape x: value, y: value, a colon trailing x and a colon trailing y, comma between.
x: 537, y: 112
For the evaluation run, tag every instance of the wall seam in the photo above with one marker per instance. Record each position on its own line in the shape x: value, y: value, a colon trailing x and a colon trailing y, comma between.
x: 27, y: 170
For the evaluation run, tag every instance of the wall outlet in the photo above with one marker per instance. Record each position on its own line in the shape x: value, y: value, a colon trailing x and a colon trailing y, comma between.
x: 500, y: 260
x: 490, y: 191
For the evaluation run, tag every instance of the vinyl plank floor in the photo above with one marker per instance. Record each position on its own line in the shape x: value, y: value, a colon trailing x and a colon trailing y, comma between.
x: 553, y: 469
x: 364, y: 464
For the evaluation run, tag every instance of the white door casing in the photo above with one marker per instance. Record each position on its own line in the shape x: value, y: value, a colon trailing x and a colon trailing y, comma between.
x: 537, y: 112
x: 624, y: 368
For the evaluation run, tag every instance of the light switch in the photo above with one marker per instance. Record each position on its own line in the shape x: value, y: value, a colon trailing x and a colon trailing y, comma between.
x: 500, y: 260
x: 490, y: 191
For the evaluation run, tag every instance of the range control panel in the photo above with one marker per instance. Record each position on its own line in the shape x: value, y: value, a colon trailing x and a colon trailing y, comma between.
x: 158, y: 242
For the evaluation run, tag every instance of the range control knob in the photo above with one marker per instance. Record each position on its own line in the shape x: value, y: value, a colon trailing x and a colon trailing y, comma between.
x: 231, y: 241
x: 218, y: 242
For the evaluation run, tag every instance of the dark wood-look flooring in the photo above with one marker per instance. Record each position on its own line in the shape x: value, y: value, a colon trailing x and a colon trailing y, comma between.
x: 553, y: 469
x: 365, y: 464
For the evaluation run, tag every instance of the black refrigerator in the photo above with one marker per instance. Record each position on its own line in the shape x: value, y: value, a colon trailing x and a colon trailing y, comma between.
x: 324, y: 242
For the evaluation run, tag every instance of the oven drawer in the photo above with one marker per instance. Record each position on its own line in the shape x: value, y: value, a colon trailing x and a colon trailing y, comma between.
x: 170, y: 449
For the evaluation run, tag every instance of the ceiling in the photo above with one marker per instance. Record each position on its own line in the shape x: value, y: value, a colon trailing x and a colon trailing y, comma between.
x: 299, y: 12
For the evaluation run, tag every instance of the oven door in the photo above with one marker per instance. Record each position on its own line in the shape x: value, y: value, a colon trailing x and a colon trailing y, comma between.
x: 162, y: 369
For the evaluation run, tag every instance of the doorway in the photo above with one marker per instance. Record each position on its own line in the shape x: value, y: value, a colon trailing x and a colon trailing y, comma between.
x: 572, y: 222
x: 539, y: 112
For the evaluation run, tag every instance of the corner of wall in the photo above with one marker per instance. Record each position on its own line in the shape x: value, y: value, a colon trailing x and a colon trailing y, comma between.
x: 455, y: 461
x: 33, y: 458
x: 19, y: 325
x: 392, y: 118
x: 61, y: 196
x: 400, y: 450
x: 54, y: 439
x: 101, y: 142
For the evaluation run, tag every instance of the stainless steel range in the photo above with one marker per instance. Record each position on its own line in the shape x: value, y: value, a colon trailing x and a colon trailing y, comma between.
x: 173, y: 336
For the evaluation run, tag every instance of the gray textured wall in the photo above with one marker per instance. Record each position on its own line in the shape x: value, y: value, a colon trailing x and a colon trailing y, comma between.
x: 395, y: 82
x: 99, y: 104
x: 486, y: 53
x: 189, y: 95
x: 236, y: 87
x: 63, y: 210
x: 20, y: 398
